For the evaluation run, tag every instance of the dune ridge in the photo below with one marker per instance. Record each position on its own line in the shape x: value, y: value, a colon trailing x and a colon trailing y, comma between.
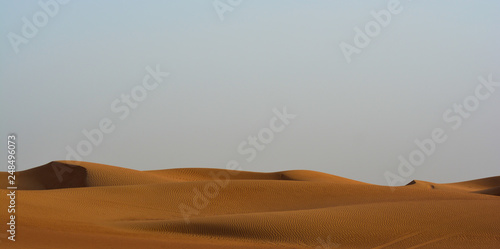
x: 96, y: 205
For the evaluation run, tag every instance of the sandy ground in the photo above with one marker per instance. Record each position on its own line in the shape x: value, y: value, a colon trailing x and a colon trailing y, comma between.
x: 101, y: 206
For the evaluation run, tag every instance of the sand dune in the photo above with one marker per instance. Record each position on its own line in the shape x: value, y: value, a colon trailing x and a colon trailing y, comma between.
x: 490, y: 186
x: 102, y: 206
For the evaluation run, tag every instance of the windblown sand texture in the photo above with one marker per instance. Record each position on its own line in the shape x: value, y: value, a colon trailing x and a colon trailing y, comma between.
x: 100, y: 206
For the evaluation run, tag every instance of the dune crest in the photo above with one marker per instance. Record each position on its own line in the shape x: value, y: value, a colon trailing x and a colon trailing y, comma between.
x: 46, y: 177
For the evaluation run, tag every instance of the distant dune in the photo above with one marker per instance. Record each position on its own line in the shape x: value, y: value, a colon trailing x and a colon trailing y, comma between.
x: 91, y: 205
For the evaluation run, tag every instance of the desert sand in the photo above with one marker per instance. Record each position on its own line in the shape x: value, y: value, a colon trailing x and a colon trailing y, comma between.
x: 102, y: 206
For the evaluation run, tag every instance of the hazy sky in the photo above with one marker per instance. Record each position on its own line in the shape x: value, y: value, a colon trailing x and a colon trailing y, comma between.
x: 229, y: 70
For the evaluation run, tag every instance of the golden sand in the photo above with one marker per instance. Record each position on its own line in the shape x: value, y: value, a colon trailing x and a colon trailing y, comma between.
x: 101, y: 206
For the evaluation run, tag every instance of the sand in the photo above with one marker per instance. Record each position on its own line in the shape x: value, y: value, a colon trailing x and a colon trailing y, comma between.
x: 103, y: 206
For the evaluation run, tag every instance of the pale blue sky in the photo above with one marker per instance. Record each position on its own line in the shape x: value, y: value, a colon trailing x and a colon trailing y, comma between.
x: 354, y: 119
